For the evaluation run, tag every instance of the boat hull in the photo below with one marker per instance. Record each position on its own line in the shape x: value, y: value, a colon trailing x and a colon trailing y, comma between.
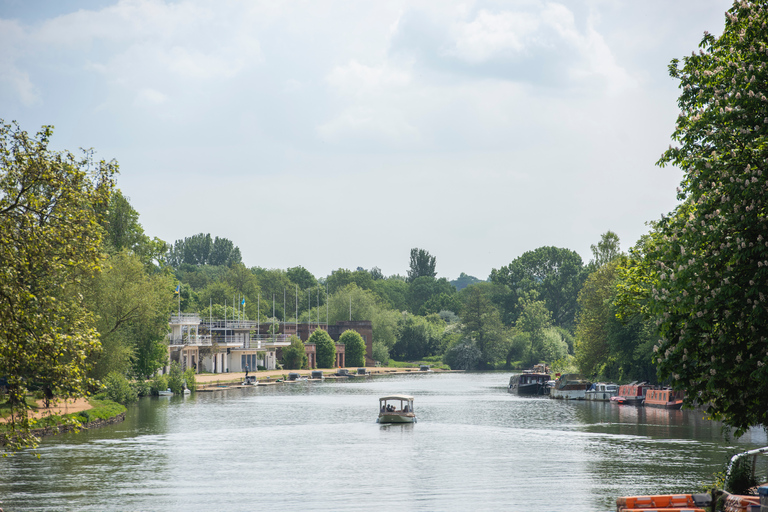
x: 388, y: 417
x: 599, y: 396
x: 568, y: 394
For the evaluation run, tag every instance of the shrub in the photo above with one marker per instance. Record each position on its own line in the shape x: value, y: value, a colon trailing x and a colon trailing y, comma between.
x: 142, y: 388
x: 158, y: 383
x: 176, y: 378
x: 118, y: 389
x: 189, y: 379
x: 354, y: 347
x: 464, y: 356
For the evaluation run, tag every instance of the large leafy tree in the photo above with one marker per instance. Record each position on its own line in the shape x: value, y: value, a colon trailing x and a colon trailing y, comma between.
x: 201, y: 249
x: 50, y: 240
x: 417, y: 338
x: 132, y: 308
x: 422, y: 264
x: 534, y: 320
x: 555, y: 274
x: 482, y: 324
x: 710, y: 266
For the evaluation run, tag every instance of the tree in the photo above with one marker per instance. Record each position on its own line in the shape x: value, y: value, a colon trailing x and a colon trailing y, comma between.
x: 49, y: 242
x: 417, y: 338
x: 342, y: 277
x: 423, y: 288
x: 482, y: 324
x: 294, y: 355
x: 122, y: 231
x: 594, y: 318
x: 354, y: 347
x: 301, y: 277
x: 132, y: 308
x: 463, y: 281
x: 325, y: 348
x: 711, y: 265
x: 606, y: 250
x: 463, y: 356
x: 422, y: 265
x: 200, y: 249
x: 534, y: 320
x: 555, y: 274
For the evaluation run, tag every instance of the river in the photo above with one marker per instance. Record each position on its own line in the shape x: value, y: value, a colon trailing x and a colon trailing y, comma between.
x: 316, y: 446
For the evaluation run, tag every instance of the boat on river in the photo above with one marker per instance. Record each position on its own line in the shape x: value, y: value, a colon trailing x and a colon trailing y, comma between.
x: 165, y: 392
x: 632, y: 394
x: 570, y: 386
x: 396, y: 409
x: 531, y: 382
x: 601, y: 392
x: 665, y: 398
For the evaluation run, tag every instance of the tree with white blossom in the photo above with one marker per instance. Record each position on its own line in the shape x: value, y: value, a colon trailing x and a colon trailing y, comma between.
x: 709, y: 267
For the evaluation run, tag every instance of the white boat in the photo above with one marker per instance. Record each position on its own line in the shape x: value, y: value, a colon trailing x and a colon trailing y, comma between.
x: 570, y: 386
x: 602, y: 392
x: 396, y: 409
x: 166, y: 392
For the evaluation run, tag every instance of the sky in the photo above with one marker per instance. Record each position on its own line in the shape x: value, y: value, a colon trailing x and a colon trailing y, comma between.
x: 332, y: 135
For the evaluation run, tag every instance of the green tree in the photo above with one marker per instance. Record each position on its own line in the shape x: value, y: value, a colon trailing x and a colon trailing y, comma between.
x: 594, y: 319
x: 417, y: 338
x: 201, y: 249
x: 294, y: 355
x: 393, y: 291
x: 606, y: 250
x: 463, y: 356
x: 132, y: 309
x: 49, y: 241
x: 533, y: 321
x: 482, y: 324
x: 325, y: 348
x: 342, y: 278
x: 711, y: 265
x: 555, y: 274
x: 422, y: 265
x: 464, y: 280
x: 301, y: 277
x: 354, y: 347
x: 424, y: 288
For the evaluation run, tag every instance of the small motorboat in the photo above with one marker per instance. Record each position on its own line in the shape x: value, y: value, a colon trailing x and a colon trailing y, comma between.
x: 396, y: 409
x: 165, y: 392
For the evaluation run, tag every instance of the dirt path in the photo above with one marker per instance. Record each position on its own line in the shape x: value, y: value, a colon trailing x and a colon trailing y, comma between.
x: 61, y: 407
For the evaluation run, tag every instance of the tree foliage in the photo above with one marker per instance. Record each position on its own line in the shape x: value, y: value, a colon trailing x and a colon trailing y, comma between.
x: 50, y: 240
x: 710, y: 267
x: 294, y: 355
x: 354, y: 348
x: 555, y: 274
x: 325, y: 348
x: 422, y: 265
x: 482, y: 324
x: 533, y: 321
x: 200, y: 249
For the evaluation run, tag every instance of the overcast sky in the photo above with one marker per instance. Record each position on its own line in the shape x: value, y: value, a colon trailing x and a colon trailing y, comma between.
x: 342, y: 134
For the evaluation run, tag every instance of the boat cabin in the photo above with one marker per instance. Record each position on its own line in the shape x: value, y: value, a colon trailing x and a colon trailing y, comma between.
x: 396, y: 409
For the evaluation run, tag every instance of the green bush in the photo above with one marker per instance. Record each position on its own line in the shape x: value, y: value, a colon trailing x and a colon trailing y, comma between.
x: 176, y: 378
x: 158, y: 383
x: 189, y: 379
x: 740, y: 480
x: 118, y: 389
x: 142, y: 388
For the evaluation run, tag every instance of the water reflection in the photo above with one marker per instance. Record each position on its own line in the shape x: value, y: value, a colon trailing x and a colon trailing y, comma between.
x: 317, y: 446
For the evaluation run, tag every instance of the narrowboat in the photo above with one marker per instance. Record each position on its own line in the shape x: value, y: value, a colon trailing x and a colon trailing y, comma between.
x: 602, y: 392
x: 631, y: 394
x: 529, y: 383
x: 570, y: 386
x: 665, y: 398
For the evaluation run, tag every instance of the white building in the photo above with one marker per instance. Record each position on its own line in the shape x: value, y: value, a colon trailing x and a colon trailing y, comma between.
x: 221, y: 346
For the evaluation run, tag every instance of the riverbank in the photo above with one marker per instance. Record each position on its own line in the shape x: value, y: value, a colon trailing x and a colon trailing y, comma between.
x: 214, y: 380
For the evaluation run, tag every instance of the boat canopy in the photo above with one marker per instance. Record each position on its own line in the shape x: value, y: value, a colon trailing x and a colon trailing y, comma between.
x: 406, y: 398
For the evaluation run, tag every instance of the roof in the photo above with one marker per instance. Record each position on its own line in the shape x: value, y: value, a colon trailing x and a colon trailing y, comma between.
x: 397, y: 397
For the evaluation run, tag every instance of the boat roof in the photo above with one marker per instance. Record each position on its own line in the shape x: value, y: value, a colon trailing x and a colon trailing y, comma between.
x: 397, y: 397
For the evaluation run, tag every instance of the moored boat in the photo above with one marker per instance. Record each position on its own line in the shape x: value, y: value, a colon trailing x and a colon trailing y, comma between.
x: 570, y: 386
x: 601, y: 391
x: 396, y: 409
x: 530, y: 382
x: 631, y: 394
x: 665, y: 398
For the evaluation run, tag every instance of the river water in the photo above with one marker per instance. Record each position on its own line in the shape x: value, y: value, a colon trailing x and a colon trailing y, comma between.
x: 316, y: 446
